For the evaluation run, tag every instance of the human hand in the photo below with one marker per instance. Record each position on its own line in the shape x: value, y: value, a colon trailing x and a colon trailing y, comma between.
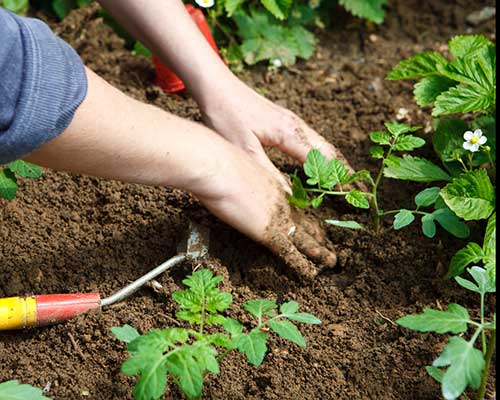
x: 247, y: 197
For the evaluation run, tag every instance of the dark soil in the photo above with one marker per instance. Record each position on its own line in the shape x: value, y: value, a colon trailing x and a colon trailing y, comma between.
x: 77, y: 234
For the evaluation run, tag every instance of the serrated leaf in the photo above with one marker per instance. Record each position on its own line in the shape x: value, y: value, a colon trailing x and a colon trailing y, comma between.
x: 429, y: 88
x: 232, y: 326
x: 418, y: 66
x: 450, y: 222
x: 427, y: 197
x: 436, y: 373
x: 345, y: 224
x: 232, y: 5
x: 472, y: 253
x: 361, y: 175
x: 318, y: 170
x: 253, y: 346
x: 376, y: 152
x: 467, y: 45
x: 408, y: 143
x: 414, y: 169
x: 299, y: 196
x: 471, y: 195
x: 372, y: 10
x: 381, y: 137
x: 301, y: 40
x: 13, y: 390
x: 428, y: 226
x: 357, y: 198
x: 287, y: 330
x: 125, y: 333
x: 158, y: 340
x: 396, y: 129
x: 447, y: 139
x: 188, y: 370
x: 453, y: 320
x: 290, y: 307
x: 462, y: 100
x: 152, y: 380
x: 278, y: 8
x: 259, y: 307
x: 465, y: 363
x: 403, y: 218
x: 8, y: 184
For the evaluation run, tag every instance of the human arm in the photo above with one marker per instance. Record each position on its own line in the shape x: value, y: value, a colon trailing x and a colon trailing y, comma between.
x: 142, y: 144
x: 230, y: 107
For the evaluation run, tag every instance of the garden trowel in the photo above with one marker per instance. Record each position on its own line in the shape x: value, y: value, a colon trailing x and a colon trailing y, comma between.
x: 25, y: 312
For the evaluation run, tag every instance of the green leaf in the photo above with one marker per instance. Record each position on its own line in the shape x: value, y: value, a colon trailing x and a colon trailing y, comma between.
x: 372, y: 10
x: 301, y: 41
x: 462, y: 100
x: 484, y: 284
x: 253, y: 346
x: 259, y: 307
x: 453, y: 320
x: 317, y: 201
x: 339, y: 171
x: 396, y: 129
x: 381, y: 137
x: 318, y: 170
x: 466, y: 364
x: 188, y: 369
x: 408, y: 143
x: 232, y: 326
x: 467, y: 284
x: 290, y: 307
x: 299, y: 196
x: 467, y: 45
x: 63, y: 7
x: 304, y: 318
x: 8, y: 184
x: 414, y: 169
x: 490, y: 247
x: 403, y: 218
x: 345, y: 224
x: 151, y: 367
x: 428, y: 89
x: 428, y: 226
x: 158, y: 340
x: 435, y: 373
x: 376, y: 152
x: 232, y: 5
x: 141, y: 50
x: 357, y: 198
x: 16, y: 6
x: 472, y: 253
x: 471, y: 195
x: 287, y: 330
x: 278, y: 8
x: 450, y: 222
x: 418, y: 66
x: 427, y: 197
x: 125, y: 333
x: 13, y: 390
x: 361, y: 175
x: 448, y: 138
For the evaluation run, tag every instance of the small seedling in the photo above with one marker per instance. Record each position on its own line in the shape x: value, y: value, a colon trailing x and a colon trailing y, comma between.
x: 187, y: 355
x: 8, y: 179
x: 465, y: 364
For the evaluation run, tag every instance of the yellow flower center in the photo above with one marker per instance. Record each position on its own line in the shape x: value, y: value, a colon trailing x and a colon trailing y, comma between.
x: 474, y: 140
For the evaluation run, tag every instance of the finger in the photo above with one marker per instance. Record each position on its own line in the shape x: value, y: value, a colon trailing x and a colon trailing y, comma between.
x: 312, y: 227
x: 315, y: 251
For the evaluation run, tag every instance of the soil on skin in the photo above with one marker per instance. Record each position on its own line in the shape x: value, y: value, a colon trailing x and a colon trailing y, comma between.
x: 78, y: 234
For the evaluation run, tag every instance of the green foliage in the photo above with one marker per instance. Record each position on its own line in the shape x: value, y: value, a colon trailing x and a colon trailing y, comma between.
x: 372, y: 10
x: 416, y: 169
x: 465, y: 84
x: 13, y: 390
x: 403, y: 218
x: 8, y: 179
x: 59, y: 7
x: 16, y: 6
x: 187, y: 355
x: 345, y: 224
x: 471, y: 195
x: 465, y: 364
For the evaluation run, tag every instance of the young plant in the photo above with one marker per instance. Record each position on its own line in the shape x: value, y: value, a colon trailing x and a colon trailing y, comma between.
x: 187, y: 355
x: 12, y: 390
x: 465, y: 364
x: 8, y: 179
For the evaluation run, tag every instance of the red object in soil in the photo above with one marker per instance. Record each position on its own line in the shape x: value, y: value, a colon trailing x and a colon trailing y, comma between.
x: 165, y: 78
x: 53, y: 308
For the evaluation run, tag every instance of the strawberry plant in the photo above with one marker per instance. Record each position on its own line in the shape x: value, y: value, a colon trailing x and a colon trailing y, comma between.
x: 8, y: 178
x: 187, y: 355
x: 465, y: 365
x: 12, y: 390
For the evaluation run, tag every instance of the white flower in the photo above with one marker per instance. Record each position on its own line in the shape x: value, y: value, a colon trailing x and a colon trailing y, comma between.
x: 277, y: 62
x: 205, y: 3
x: 473, y: 140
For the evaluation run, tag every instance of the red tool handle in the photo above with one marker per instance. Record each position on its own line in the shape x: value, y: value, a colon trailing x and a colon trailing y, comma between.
x: 53, y: 308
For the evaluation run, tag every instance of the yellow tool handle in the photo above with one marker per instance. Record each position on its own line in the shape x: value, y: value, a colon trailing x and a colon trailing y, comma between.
x: 17, y: 313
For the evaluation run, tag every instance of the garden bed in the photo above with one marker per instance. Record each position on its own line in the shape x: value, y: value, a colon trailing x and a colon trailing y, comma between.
x: 71, y: 233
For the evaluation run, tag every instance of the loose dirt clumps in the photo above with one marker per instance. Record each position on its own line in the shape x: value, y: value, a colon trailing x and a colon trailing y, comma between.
x: 72, y: 233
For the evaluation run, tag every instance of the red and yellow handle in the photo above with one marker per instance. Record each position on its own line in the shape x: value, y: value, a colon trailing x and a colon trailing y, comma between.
x: 25, y: 312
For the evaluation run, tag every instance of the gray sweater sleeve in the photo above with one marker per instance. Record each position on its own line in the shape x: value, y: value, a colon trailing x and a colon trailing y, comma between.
x: 42, y: 83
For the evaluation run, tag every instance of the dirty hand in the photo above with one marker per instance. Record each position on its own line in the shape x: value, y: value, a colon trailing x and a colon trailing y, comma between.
x: 247, y: 197
x: 252, y: 122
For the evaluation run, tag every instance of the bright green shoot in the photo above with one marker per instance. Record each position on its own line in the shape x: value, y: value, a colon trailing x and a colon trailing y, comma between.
x: 9, y: 176
x: 465, y: 364
x: 187, y: 355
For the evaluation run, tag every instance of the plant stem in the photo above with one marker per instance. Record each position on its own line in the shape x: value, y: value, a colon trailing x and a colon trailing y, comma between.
x: 322, y: 191
x: 471, y: 155
x: 483, y: 333
x: 375, y: 187
x: 489, y: 355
